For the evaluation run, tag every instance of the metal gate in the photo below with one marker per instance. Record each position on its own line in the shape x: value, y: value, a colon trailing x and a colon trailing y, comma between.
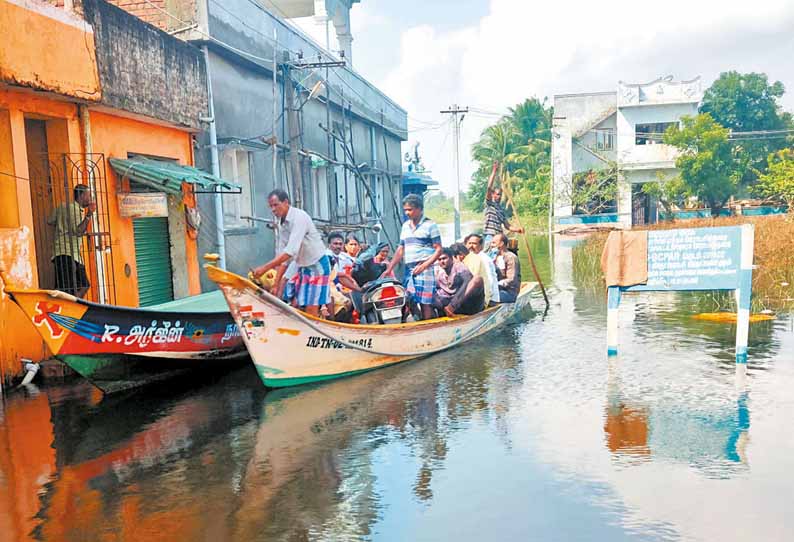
x: 53, y: 178
x: 153, y: 261
x: 639, y: 206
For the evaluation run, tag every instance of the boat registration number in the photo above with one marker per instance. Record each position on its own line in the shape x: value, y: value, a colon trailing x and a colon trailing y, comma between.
x: 388, y: 314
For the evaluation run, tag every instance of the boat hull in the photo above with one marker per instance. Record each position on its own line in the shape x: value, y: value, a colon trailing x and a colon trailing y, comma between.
x: 120, y: 347
x: 291, y: 348
x: 113, y: 373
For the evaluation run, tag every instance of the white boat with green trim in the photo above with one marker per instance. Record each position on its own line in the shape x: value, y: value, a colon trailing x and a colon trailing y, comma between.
x: 289, y: 347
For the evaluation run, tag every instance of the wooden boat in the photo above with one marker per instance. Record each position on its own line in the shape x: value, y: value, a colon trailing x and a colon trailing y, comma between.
x: 290, y: 347
x: 118, y: 348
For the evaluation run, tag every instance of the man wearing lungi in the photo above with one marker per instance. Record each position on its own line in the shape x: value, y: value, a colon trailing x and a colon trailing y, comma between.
x: 420, y: 245
x: 298, y: 239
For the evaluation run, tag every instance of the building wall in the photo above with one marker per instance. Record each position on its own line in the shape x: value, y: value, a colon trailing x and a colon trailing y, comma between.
x: 243, y: 101
x: 585, y: 160
x: 629, y: 153
x: 112, y: 136
x: 18, y: 337
x: 62, y: 57
x: 145, y: 71
x: 119, y: 137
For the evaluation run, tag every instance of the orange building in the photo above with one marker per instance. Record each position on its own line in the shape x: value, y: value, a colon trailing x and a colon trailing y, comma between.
x: 79, y: 87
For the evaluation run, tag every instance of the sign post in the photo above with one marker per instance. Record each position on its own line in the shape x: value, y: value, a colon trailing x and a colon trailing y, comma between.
x: 696, y: 259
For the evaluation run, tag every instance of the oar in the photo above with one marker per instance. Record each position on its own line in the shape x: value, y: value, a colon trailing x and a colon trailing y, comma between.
x: 509, y: 193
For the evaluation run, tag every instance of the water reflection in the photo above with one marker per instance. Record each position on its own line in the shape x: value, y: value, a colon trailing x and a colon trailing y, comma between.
x: 711, y: 438
x: 530, y: 433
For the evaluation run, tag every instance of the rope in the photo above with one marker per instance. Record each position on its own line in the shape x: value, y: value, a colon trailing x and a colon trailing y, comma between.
x: 274, y: 300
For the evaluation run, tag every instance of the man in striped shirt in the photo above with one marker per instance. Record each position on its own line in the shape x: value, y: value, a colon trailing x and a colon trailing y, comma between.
x: 420, y: 246
x: 495, y: 215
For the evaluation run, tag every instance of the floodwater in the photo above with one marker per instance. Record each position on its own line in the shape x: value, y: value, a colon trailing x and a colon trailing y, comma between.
x: 531, y: 433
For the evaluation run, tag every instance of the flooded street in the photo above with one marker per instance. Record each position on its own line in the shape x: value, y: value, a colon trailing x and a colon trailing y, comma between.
x: 530, y: 433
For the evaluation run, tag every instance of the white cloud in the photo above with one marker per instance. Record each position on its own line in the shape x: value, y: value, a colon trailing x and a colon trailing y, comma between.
x: 521, y: 49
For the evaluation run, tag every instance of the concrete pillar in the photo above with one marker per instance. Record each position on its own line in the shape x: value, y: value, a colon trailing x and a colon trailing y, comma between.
x: 346, y: 45
x: 562, y: 169
x: 624, y: 200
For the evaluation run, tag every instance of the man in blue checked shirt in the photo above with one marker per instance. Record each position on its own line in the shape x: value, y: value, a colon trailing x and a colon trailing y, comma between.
x: 420, y: 245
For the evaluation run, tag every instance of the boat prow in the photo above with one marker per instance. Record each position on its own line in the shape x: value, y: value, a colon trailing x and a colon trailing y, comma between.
x: 118, y: 348
x: 290, y: 347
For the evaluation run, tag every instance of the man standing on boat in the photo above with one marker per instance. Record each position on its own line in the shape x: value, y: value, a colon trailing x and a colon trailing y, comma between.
x: 70, y: 227
x: 420, y: 245
x: 495, y: 214
x: 297, y: 238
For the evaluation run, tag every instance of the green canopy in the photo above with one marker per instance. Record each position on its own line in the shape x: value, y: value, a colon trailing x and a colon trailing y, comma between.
x: 169, y: 176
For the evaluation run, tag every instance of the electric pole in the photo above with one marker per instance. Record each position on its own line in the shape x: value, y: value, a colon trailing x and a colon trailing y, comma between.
x: 455, y: 111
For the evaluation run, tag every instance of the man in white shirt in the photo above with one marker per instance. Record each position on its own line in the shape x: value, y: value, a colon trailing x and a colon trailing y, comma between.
x: 474, y: 244
x: 297, y: 238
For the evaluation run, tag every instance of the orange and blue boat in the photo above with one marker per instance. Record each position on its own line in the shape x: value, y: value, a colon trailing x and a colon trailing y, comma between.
x: 118, y: 348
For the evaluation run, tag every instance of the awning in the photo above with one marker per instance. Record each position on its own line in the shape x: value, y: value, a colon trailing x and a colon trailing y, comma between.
x: 169, y: 176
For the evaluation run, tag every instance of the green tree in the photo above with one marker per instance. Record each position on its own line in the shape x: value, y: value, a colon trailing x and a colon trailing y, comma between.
x: 748, y: 102
x: 594, y: 191
x: 709, y: 168
x: 778, y: 181
x: 521, y: 143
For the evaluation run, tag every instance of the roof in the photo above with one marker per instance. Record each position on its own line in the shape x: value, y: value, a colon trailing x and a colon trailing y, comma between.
x: 169, y: 176
x: 417, y: 178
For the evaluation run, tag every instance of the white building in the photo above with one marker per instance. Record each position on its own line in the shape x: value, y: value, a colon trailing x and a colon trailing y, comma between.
x: 624, y: 127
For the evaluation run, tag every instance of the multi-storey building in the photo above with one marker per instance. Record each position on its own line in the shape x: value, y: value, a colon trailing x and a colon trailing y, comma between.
x: 288, y: 112
x: 621, y: 130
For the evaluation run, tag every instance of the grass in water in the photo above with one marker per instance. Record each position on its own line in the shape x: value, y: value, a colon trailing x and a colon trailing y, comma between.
x: 773, y: 277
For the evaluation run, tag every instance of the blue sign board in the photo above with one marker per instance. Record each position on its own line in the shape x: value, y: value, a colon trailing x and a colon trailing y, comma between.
x: 693, y: 259
x: 696, y: 259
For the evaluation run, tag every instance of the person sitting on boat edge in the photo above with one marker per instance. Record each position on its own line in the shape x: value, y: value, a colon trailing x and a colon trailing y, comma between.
x: 297, y: 238
x: 508, y: 268
x: 457, y: 290
x: 420, y: 245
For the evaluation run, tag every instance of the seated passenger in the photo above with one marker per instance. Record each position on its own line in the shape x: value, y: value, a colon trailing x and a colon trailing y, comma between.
x: 481, y: 265
x: 342, y: 263
x: 382, y: 254
x: 457, y: 291
x: 460, y: 251
x: 508, y: 268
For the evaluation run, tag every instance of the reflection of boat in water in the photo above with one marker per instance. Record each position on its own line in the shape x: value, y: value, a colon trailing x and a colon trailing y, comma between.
x: 79, y: 465
x: 290, y: 348
x: 118, y: 348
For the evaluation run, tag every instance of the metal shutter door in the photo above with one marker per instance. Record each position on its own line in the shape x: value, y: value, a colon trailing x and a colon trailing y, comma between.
x: 153, y: 260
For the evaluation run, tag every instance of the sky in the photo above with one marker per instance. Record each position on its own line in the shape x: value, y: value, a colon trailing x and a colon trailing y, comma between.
x: 492, y: 54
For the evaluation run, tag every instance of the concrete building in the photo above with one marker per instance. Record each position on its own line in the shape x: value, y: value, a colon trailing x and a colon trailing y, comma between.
x: 288, y: 113
x: 623, y: 128
x: 83, y: 90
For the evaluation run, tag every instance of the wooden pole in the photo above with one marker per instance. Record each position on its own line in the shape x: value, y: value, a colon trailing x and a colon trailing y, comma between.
x: 509, y: 193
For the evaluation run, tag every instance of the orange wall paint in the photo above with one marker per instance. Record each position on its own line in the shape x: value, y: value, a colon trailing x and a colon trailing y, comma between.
x: 61, y: 59
x: 111, y: 135
x: 117, y: 137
